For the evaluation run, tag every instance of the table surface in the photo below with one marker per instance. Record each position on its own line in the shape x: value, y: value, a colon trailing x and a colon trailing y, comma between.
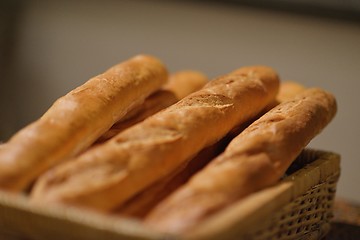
x: 346, y: 222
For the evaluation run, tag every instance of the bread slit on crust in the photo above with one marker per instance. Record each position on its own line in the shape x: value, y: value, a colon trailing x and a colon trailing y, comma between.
x: 257, y: 158
x: 179, y: 85
x: 141, y: 204
x: 77, y: 119
x: 110, y: 174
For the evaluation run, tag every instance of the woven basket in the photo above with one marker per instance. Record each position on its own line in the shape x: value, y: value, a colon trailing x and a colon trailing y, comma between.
x: 298, y: 207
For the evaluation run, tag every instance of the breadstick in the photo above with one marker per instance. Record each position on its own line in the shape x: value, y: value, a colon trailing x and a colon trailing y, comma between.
x: 153, y: 104
x: 288, y: 90
x: 179, y: 85
x: 255, y: 159
x: 77, y: 119
x: 183, y: 83
x: 110, y: 174
x: 142, y: 203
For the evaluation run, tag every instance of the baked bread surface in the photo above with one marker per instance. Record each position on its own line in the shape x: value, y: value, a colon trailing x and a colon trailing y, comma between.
x: 257, y: 158
x: 110, y: 174
x: 77, y: 119
x: 179, y: 85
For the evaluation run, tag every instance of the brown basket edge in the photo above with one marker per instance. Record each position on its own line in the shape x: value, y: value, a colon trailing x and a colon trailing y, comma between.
x: 20, y: 217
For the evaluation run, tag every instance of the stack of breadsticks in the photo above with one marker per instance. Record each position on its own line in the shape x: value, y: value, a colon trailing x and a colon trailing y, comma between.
x: 170, y: 150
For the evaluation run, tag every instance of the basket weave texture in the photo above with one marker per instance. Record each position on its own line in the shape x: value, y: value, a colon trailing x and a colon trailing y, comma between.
x: 308, y: 215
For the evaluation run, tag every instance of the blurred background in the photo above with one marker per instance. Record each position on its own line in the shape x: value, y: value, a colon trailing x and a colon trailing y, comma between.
x: 49, y: 47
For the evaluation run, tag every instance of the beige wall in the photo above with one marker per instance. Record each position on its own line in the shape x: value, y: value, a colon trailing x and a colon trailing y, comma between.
x: 62, y: 43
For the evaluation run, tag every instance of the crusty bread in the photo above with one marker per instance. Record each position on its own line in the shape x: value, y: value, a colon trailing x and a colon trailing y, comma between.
x: 77, y: 119
x: 179, y: 85
x: 141, y: 204
x: 288, y: 90
x: 182, y: 83
x: 153, y: 104
x: 255, y: 159
x: 108, y: 175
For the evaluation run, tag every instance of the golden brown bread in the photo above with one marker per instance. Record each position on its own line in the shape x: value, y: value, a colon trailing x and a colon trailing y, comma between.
x: 153, y: 104
x: 141, y: 204
x: 179, y: 85
x: 288, y: 90
x: 255, y: 159
x: 183, y: 83
x: 108, y: 175
x: 77, y: 119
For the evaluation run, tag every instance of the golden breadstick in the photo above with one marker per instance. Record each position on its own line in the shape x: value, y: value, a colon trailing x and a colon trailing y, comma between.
x: 255, y: 159
x: 287, y: 91
x: 180, y: 84
x: 183, y: 83
x: 142, y: 203
x: 153, y: 104
x: 110, y: 174
x: 77, y: 119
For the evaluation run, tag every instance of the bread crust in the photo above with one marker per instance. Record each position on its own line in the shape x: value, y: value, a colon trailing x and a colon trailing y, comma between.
x: 258, y: 157
x: 179, y: 85
x: 154, y: 103
x: 140, y: 205
x: 182, y: 83
x: 77, y: 119
x: 111, y: 173
x: 288, y: 90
